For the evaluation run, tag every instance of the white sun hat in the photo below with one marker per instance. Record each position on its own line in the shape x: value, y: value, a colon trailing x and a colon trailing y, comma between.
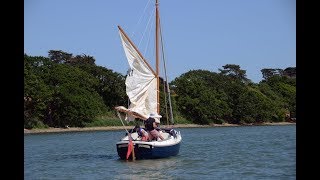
x: 156, y: 116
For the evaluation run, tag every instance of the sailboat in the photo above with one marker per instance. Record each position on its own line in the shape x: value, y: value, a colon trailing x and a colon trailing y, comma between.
x: 142, y: 88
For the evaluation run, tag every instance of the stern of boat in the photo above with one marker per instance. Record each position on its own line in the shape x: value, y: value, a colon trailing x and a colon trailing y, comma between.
x: 170, y: 146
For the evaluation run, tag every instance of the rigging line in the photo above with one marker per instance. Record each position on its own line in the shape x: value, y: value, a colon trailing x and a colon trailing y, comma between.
x: 146, y: 27
x: 165, y: 72
x: 139, y: 21
x: 148, y: 41
x: 165, y: 101
x: 121, y: 121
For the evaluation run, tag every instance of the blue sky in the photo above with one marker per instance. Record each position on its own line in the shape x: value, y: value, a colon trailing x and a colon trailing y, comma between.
x: 198, y: 34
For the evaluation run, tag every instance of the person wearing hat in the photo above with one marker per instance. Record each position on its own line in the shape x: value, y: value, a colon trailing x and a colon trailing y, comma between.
x: 152, y: 124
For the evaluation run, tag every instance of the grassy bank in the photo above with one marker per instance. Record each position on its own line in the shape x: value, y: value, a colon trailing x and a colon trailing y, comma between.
x: 113, y: 128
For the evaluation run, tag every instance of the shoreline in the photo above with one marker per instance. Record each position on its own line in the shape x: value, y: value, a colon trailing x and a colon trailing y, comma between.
x: 115, y: 128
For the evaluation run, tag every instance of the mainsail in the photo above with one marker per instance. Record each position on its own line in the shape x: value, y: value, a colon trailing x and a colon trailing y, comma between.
x: 141, y: 81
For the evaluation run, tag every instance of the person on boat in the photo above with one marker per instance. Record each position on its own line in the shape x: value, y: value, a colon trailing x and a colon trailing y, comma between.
x: 152, y: 125
x: 143, y: 133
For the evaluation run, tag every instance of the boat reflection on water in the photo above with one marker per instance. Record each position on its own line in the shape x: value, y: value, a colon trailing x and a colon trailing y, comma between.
x: 151, y: 168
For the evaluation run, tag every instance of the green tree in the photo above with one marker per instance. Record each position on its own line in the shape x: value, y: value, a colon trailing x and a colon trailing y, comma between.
x: 268, y: 72
x: 256, y: 107
x: 234, y: 71
x: 81, y: 60
x: 282, y: 91
x: 234, y: 89
x: 37, y: 93
x: 59, y: 56
x: 111, y: 85
x: 290, y: 72
x: 58, y: 94
x: 198, y: 97
x: 75, y: 100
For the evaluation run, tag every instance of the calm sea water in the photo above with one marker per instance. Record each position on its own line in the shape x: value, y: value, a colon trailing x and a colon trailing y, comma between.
x: 250, y: 152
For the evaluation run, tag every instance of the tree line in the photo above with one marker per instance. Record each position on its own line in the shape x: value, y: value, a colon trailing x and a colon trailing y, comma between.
x: 63, y: 89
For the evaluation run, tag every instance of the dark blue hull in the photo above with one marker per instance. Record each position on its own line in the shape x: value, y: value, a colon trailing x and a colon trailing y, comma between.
x: 144, y: 151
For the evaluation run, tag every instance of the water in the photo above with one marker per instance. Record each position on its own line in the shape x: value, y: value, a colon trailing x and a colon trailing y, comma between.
x: 250, y: 152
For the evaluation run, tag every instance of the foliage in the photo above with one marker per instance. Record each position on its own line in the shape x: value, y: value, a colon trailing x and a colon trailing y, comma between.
x: 66, y: 90
x: 234, y: 72
x: 269, y: 72
x: 37, y: 94
x: 198, y: 99
x: 58, y: 93
x: 290, y: 72
x: 207, y: 97
x: 59, y: 56
x: 102, y: 121
x: 110, y: 86
x: 285, y: 88
x: 255, y: 107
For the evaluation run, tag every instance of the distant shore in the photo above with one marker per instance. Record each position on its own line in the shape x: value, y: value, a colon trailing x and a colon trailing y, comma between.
x: 114, y: 128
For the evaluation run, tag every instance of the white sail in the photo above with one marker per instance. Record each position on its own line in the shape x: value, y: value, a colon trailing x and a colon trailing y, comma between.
x: 141, y: 83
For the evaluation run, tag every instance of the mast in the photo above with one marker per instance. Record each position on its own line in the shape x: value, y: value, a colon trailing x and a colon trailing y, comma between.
x: 157, y: 56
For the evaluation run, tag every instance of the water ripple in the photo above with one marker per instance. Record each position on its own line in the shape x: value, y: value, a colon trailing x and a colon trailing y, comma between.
x: 257, y: 152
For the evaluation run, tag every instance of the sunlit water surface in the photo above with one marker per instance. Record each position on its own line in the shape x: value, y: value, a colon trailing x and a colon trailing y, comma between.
x: 248, y: 152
